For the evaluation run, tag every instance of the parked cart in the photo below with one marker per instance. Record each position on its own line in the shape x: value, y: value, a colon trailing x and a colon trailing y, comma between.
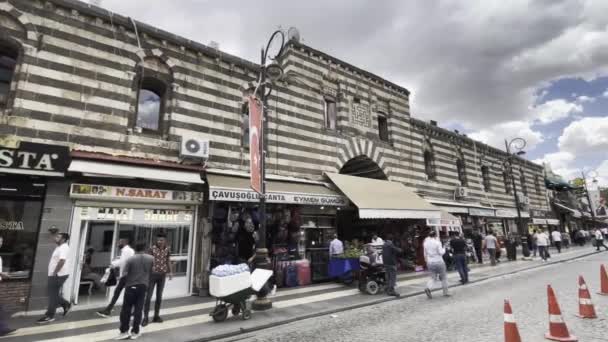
x: 232, y: 293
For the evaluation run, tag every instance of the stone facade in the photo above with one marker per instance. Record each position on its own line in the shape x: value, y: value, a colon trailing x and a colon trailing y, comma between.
x: 78, y: 76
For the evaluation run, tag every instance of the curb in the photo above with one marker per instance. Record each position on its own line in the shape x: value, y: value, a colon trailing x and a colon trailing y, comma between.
x: 242, y: 331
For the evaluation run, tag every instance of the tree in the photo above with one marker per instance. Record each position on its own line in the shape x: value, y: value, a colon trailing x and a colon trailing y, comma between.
x: 577, y: 182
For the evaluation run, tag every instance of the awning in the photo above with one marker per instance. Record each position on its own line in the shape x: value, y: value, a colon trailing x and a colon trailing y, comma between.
x: 115, y: 170
x: 451, y: 222
x: 238, y: 189
x: 378, y: 199
x: 575, y: 212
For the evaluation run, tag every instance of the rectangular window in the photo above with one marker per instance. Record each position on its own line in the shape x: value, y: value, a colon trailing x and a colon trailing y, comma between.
x: 383, y: 127
x: 19, y: 233
x: 330, y: 114
x: 485, y: 174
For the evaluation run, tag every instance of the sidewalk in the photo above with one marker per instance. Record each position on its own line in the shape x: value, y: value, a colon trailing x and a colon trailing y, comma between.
x: 187, y: 319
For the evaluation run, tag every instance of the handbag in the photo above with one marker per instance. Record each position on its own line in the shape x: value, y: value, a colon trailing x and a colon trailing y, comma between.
x: 109, y: 278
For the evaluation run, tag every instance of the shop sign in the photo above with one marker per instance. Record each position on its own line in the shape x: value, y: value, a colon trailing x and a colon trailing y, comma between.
x: 507, y: 213
x: 231, y: 195
x: 105, y: 192
x: 481, y: 212
x: 554, y: 222
x: 11, y: 225
x: 137, y: 215
x: 36, y: 159
x: 539, y: 221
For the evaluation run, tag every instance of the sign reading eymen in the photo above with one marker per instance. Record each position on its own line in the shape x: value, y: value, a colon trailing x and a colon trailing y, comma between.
x: 256, y: 134
x: 37, y: 159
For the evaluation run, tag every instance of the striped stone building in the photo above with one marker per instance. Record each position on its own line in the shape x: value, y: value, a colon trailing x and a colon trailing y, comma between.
x: 122, y: 95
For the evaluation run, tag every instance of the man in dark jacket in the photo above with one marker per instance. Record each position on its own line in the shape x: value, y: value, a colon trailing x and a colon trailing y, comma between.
x: 389, y: 257
x: 459, y: 248
x: 477, y: 242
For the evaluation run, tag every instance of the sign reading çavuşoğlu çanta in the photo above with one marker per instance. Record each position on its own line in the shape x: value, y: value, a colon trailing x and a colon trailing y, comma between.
x: 106, y: 192
x: 232, y: 195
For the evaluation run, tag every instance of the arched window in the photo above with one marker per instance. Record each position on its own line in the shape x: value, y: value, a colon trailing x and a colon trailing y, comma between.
x: 461, y: 169
x: 485, y: 175
x: 245, y: 125
x: 150, y: 104
x: 8, y: 61
x: 154, y: 80
x: 429, y: 168
x: 522, y: 180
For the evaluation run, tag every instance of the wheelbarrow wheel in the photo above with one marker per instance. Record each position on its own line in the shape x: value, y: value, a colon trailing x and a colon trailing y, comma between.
x: 220, y: 313
x: 246, y: 314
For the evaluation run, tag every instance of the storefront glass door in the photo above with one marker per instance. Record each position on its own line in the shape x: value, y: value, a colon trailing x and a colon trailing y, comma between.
x: 95, y: 235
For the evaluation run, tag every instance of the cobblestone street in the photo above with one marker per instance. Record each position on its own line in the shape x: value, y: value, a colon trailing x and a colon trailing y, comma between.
x: 473, y: 313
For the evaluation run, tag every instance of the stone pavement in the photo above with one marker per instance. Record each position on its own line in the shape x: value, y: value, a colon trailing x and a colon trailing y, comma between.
x: 187, y: 319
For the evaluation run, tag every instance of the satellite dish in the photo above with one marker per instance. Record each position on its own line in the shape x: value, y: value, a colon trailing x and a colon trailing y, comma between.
x: 293, y: 34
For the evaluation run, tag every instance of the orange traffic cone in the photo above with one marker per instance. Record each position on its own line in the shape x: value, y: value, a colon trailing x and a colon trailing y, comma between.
x: 585, y: 306
x: 558, y: 331
x: 511, y: 331
x: 603, y: 281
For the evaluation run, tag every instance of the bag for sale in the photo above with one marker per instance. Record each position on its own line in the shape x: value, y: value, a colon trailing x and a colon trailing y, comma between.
x: 291, y: 276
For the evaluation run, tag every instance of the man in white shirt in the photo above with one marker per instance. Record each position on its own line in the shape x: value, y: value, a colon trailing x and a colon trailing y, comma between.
x: 376, y: 240
x: 125, y: 253
x: 542, y: 241
x: 557, y: 240
x: 599, y: 239
x: 433, y: 255
x: 336, y: 247
x: 59, y: 270
x: 491, y: 243
x: 4, y: 329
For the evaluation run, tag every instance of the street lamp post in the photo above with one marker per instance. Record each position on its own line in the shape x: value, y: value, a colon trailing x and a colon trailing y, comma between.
x: 594, y: 175
x: 268, y: 74
x: 517, y: 144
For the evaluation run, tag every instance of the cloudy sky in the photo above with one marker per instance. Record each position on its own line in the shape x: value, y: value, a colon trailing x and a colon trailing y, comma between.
x: 535, y: 69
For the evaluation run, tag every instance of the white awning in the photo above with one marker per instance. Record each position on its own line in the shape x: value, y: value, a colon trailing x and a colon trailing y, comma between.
x: 379, y: 199
x: 575, y: 212
x: 115, y: 170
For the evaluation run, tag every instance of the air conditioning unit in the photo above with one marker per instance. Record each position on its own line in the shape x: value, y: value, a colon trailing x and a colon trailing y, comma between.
x: 462, y: 192
x: 192, y: 147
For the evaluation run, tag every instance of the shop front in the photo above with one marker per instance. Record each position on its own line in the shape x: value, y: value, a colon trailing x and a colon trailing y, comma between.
x: 24, y: 173
x: 108, y: 206
x: 387, y: 209
x: 300, y: 223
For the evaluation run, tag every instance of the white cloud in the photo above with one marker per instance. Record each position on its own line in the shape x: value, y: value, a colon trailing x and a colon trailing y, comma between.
x: 602, y: 172
x: 495, y: 135
x: 585, y: 98
x: 555, y: 110
x: 562, y: 163
x: 585, y: 136
x: 481, y: 62
x: 605, y: 94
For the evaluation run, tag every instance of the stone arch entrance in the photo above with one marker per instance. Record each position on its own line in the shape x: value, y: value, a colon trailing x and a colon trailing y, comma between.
x: 363, y: 166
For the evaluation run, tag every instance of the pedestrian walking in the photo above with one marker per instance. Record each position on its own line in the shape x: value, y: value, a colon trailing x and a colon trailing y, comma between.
x: 161, y: 270
x: 4, y: 329
x: 459, y: 248
x: 490, y: 244
x: 137, y: 272
x: 477, y: 243
x: 336, y: 247
x: 557, y: 240
x: 433, y: 255
x: 542, y: 240
x: 389, y: 256
x: 58, y: 272
x: 535, y: 242
x: 126, y: 252
x: 599, y: 239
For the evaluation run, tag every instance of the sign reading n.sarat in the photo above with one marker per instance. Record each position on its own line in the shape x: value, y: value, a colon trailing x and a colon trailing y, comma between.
x: 37, y: 159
